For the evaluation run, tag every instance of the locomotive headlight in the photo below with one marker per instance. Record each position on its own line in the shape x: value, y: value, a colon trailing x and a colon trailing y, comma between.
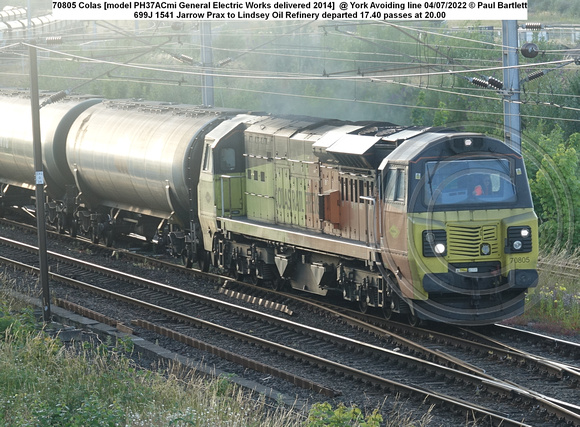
x: 434, y: 243
x: 485, y: 249
x: 519, y: 239
x: 439, y: 248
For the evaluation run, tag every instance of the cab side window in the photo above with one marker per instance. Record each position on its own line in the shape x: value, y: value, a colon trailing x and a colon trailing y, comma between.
x: 395, y: 185
x: 207, y: 158
x: 227, y: 159
x: 390, y: 182
x: 400, y: 191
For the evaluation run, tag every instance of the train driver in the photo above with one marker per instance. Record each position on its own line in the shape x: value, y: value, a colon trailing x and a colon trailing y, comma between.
x: 483, y: 189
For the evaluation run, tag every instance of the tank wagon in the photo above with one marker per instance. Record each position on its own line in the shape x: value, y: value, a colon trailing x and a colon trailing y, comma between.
x: 17, y: 171
x: 136, y: 166
x: 430, y: 223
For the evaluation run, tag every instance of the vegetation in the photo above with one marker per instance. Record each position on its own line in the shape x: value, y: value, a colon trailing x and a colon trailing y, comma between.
x: 47, y: 383
x: 555, y: 10
x: 554, y: 305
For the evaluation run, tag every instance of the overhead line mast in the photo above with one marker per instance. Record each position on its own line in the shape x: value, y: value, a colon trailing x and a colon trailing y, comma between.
x: 511, y: 78
x: 207, y: 64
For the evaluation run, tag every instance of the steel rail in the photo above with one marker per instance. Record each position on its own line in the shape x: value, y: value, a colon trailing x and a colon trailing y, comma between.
x: 493, y: 384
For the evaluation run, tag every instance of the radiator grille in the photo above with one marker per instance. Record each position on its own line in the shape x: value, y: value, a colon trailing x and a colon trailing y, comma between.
x: 464, y: 241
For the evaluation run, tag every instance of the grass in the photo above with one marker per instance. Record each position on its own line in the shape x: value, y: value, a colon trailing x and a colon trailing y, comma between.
x: 46, y: 383
x: 554, y: 305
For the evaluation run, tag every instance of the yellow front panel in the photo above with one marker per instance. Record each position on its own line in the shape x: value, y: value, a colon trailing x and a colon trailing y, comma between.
x: 466, y: 232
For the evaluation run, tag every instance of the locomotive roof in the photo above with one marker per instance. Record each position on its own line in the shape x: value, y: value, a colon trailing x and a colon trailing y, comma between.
x: 229, y: 125
x: 444, y: 143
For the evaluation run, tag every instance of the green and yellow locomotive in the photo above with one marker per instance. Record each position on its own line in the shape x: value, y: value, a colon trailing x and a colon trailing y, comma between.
x: 431, y: 223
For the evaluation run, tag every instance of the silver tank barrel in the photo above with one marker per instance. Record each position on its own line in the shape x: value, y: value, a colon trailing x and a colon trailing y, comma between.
x: 16, y: 152
x: 140, y: 157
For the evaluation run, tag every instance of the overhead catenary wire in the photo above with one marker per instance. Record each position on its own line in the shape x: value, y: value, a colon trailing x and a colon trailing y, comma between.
x: 366, y: 72
x: 222, y: 73
x: 301, y: 76
x: 366, y: 102
x: 284, y: 76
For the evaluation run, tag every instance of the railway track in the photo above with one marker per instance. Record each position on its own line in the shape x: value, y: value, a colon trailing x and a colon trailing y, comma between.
x: 146, y: 294
x: 562, y: 269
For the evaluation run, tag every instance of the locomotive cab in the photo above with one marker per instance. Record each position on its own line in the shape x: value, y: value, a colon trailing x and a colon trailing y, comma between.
x: 459, y: 230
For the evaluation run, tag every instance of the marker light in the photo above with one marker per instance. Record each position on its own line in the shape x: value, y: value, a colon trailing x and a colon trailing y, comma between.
x: 485, y: 249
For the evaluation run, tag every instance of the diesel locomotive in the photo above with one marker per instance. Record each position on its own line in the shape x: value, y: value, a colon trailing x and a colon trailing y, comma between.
x: 431, y: 223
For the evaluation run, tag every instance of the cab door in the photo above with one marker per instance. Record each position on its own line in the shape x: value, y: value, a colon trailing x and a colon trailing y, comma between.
x: 229, y: 180
x: 394, y: 225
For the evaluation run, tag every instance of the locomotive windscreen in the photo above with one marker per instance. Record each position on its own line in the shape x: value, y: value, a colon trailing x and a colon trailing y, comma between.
x: 476, y: 181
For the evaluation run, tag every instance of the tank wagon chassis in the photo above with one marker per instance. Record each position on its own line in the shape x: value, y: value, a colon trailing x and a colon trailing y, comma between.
x: 432, y: 223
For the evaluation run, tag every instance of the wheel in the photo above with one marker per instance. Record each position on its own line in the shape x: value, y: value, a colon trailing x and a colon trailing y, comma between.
x: 414, y: 320
x: 74, y: 227
x: 278, y: 284
x: 387, y: 311
x: 95, y: 236
x: 363, y: 305
x: 109, y: 238
x: 255, y: 280
x: 186, y: 258
x: 60, y: 228
x: 204, y: 260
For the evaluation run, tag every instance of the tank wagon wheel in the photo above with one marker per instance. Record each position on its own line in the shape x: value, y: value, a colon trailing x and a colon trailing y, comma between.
x: 186, y: 258
x: 109, y: 238
x: 60, y: 226
x: 204, y: 260
x: 74, y: 228
x: 94, y: 236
